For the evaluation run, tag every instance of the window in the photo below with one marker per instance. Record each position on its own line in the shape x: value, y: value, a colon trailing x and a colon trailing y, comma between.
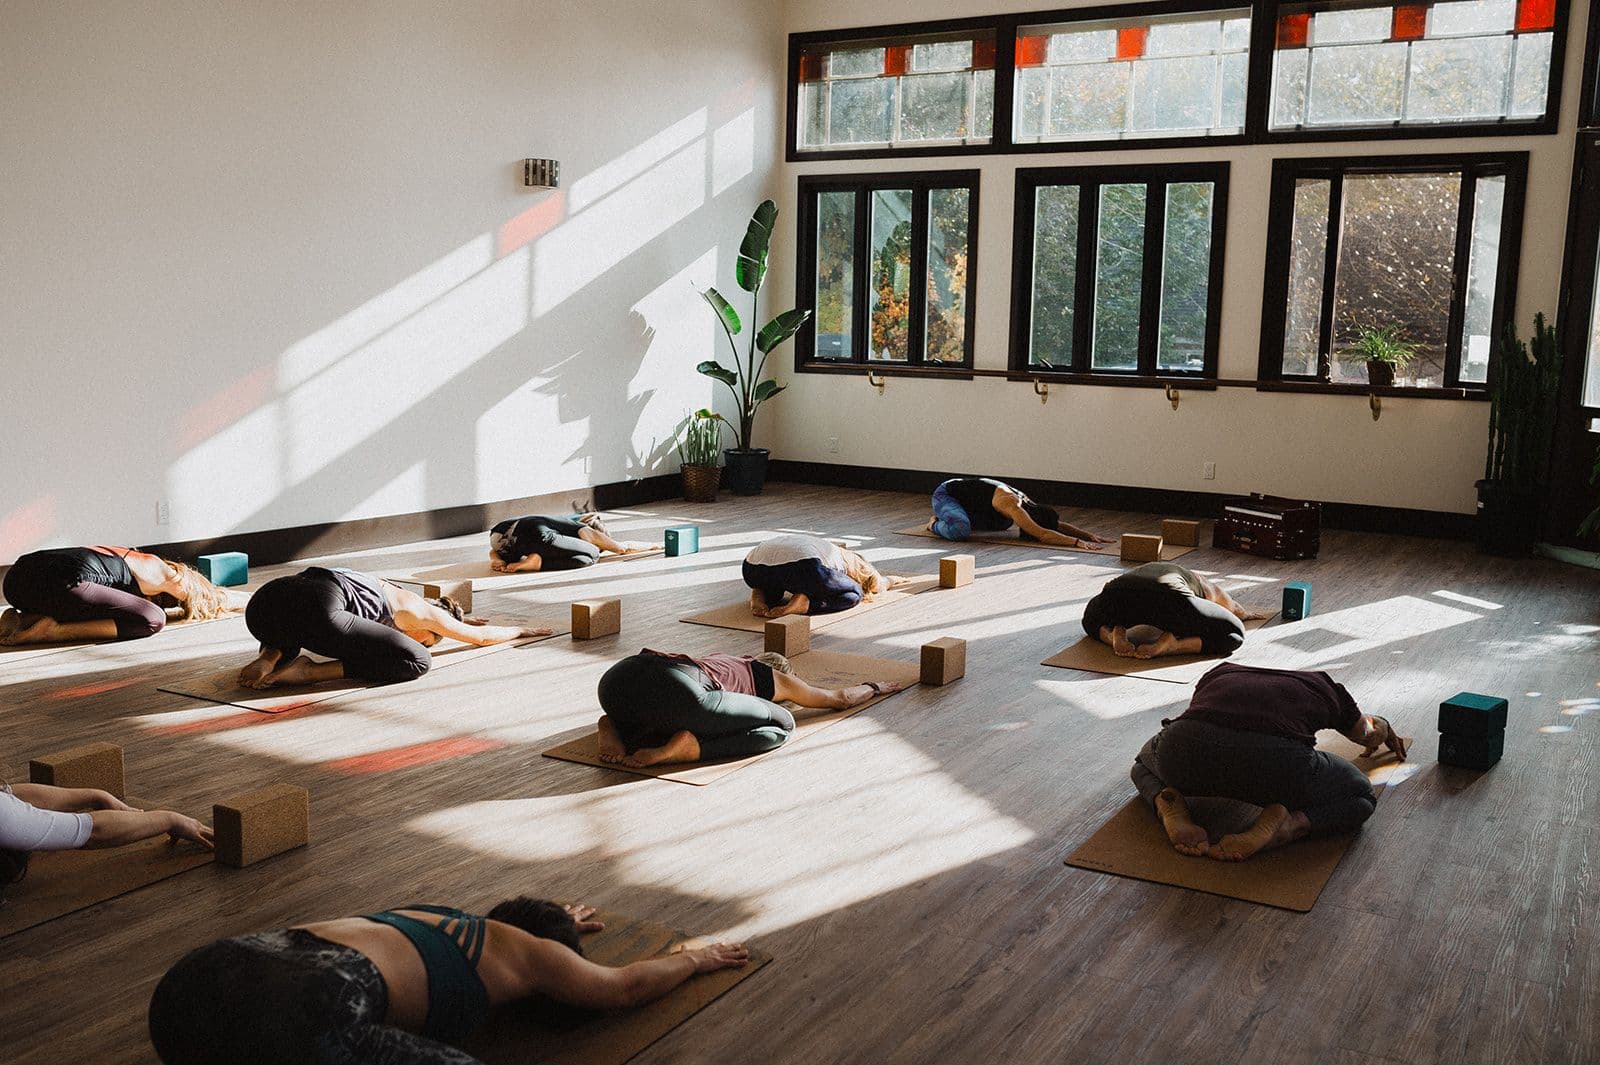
x: 1118, y: 270
x: 1426, y: 246
x: 1152, y: 76
x: 903, y: 92
x: 887, y: 267
x: 1449, y: 62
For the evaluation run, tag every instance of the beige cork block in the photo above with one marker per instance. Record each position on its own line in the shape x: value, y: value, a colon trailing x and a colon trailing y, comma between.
x: 788, y: 636
x: 1137, y: 547
x: 1180, y: 532
x: 94, y: 765
x: 594, y: 618
x: 944, y: 660
x: 957, y: 570
x: 460, y: 591
x: 259, y: 824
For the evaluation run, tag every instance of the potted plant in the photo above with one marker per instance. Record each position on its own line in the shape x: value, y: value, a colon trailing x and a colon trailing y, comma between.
x: 699, y: 456
x: 747, y: 466
x: 1383, y: 351
x: 1522, y: 417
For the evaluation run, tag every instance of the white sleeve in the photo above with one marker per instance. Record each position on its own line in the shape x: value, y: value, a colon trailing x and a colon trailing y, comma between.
x: 24, y: 827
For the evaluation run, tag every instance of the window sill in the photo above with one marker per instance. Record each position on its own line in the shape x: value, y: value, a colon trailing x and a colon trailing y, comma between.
x: 1196, y: 383
x: 1402, y: 391
x: 861, y: 369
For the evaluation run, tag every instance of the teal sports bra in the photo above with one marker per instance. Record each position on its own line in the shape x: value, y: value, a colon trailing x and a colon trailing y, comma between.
x: 457, y: 1000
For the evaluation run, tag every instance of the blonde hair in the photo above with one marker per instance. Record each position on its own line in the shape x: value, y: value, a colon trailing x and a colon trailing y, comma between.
x: 202, y: 600
x: 865, y: 574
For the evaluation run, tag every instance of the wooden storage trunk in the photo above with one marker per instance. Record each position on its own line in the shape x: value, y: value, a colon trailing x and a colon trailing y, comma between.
x: 1270, y: 526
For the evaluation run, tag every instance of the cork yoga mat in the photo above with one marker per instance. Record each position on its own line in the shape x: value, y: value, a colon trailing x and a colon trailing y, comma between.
x: 1092, y: 656
x: 824, y: 669
x: 737, y: 615
x: 1169, y: 552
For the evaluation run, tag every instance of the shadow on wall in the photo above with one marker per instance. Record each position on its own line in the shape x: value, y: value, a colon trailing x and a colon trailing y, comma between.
x: 551, y: 353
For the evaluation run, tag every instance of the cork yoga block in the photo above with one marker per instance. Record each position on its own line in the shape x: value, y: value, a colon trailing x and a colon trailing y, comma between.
x: 594, y: 618
x: 460, y: 591
x: 1136, y: 547
x: 788, y: 636
x: 94, y: 765
x: 944, y: 660
x: 957, y: 570
x: 260, y: 824
x: 1181, y: 532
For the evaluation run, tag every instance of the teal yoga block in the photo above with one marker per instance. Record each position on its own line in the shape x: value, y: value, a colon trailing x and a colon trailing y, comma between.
x: 1471, y: 752
x: 683, y: 540
x: 225, y: 569
x: 1471, y: 714
x: 1296, y: 600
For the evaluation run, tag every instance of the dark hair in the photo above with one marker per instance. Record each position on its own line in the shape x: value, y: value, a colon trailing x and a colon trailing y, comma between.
x: 13, y: 867
x: 539, y: 917
x: 449, y: 606
x: 1043, y: 515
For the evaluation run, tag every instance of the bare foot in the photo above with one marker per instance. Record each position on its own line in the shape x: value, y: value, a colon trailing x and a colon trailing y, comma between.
x: 612, y: 748
x: 17, y: 627
x: 681, y: 748
x: 1275, y: 827
x: 1186, y: 836
x: 297, y: 671
x: 252, y: 675
x: 1162, y: 646
x: 1118, y: 639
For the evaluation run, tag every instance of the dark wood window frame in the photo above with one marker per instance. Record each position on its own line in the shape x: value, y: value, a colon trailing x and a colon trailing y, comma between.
x: 863, y: 185
x: 1280, y: 218
x: 1088, y: 178
x: 1258, y: 91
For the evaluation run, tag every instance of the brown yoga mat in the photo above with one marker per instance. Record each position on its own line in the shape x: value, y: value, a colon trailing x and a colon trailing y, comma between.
x: 1133, y: 844
x: 63, y: 882
x: 738, y: 616
x: 527, y: 1033
x: 825, y: 669
x: 223, y: 688
x: 1091, y: 655
x: 483, y: 578
x: 1111, y: 550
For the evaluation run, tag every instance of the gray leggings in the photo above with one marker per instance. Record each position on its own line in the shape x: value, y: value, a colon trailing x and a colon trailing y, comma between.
x: 1227, y: 775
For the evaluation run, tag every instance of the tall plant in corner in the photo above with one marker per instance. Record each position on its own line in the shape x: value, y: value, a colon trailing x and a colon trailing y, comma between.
x: 1523, y: 379
x: 747, y: 466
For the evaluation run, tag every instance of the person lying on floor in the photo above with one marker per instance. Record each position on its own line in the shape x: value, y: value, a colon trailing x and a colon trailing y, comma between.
x: 1161, y: 608
x: 402, y: 987
x: 373, y: 630
x: 1242, y: 762
x: 103, y: 593
x: 536, y: 542
x: 797, y: 573
x: 663, y: 707
x: 965, y: 505
x: 41, y: 817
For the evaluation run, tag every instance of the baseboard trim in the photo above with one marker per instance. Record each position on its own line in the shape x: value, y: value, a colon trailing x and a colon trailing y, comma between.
x: 303, y: 541
x: 1356, y: 517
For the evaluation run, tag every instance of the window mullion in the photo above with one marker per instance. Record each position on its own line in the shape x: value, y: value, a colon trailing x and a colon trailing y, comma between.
x: 1083, y: 312
x: 1155, y: 224
x: 917, y: 306
x: 860, y: 340
x: 1460, y: 275
x: 1330, y: 276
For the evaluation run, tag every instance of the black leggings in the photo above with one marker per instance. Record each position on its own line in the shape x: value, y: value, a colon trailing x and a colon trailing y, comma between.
x: 276, y: 997
x: 828, y: 590
x: 1130, y: 601
x: 558, y: 543
x: 650, y: 699
x: 45, y: 584
x: 1248, y: 770
x: 309, y: 611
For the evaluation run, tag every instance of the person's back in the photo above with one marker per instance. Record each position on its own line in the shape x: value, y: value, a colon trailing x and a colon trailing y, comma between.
x: 1277, y: 702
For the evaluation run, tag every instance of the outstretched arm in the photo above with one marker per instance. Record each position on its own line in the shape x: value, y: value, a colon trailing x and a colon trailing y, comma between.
x: 1009, y: 506
x: 67, y: 800
x: 1215, y: 594
x: 467, y: 630
x: 1373, y: 732
x: 554, y: 970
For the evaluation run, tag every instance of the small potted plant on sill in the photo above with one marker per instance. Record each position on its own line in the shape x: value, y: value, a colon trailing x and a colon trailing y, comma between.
x: 1523, y: 379
x: 747, y: 466
x: 1381, y: 348
x: 699, y: 456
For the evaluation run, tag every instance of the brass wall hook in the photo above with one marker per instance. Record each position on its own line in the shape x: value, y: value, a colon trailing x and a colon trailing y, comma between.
x: 1173, y: 396
x: 876, y: 382
x: 1042, y: 390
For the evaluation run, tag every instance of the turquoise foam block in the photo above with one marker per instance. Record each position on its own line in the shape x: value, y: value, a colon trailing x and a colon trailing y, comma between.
x: 225, y: 569
x: 1471, y: 714
x: 682, y: 540
x: 1471, y: 752
x: 1296, y: 600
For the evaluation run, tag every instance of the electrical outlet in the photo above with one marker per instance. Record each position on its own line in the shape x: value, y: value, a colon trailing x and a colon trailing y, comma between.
x: 1209, y: 471
x: 833, y: 444
x: 163, y: 512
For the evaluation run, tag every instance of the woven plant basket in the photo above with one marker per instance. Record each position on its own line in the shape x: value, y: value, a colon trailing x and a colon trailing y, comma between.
x: 700, y: 483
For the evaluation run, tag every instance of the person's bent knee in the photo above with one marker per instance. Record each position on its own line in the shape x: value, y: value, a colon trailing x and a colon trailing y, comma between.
x: 952, y: 529
x: 141, y: 625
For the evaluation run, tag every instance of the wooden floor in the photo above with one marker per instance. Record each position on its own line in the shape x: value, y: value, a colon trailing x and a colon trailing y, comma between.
x: 904, y: 867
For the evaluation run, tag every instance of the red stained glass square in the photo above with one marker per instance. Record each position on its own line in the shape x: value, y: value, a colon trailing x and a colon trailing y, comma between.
x: 1293, y: 30
x: 1032, y: 51
x: 1410, y: 22
x: 983, y: 54
x: 810, y: 66
x: 896, y: 60
x: 1535, y: 15
x: 1130, y: 41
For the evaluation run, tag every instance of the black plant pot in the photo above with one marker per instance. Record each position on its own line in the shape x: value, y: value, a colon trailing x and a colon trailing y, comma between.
x: 746, y: 470
x: 1508, y: 519
x: 1380, y: 374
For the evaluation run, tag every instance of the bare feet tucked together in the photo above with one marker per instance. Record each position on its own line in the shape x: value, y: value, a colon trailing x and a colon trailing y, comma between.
x: 681, y: 748
x: 611, y: 746
x: 17, y: 627
x: 1275, y: 827
x: 1186, y: 836
x: 1118, y: 639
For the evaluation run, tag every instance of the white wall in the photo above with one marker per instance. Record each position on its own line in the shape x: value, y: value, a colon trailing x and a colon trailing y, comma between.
x: 271, y: 261
x: 1422, y: 454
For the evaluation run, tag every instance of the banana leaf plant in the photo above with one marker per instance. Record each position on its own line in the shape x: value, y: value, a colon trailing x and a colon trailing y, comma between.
x: 744, y: 380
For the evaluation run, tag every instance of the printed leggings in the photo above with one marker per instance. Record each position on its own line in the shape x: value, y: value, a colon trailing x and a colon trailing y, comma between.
x: 282, y: 996
x: 650, y: 699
